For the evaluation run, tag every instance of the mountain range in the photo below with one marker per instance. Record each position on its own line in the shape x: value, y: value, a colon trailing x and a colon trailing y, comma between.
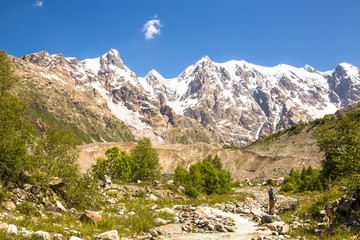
x: 232, y: 103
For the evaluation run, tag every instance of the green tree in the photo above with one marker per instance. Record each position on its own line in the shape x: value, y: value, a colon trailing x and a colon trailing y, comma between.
x: 180, y: 174
x: 14, y: 135
x: 117, y: 165
x: 145, y: 164
x: 57, y: 154
x: 340, y: 141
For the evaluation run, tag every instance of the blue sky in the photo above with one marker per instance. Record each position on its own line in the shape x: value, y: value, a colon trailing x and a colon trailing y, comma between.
x: 321, y: 33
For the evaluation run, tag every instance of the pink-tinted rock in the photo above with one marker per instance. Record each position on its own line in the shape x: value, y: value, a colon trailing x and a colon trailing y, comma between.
x: 90, y: 217
x: 170, y: 229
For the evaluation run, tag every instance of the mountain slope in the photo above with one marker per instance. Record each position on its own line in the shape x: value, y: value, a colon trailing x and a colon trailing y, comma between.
x: 234, y: 102
x: 300, y: 140
x: 100, y: 100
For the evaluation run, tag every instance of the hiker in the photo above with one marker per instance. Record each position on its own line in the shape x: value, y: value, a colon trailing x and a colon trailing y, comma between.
x: 272, y: 200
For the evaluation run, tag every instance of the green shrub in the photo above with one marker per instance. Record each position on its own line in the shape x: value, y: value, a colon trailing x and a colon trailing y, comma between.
x: 4, y: 194
x: 82, y: 193
x: 230, y: 147
x: 142, y: 164
x: 204, y: 177
x: 56, y: 155
x: 27, y: 208
x: 308, y: 180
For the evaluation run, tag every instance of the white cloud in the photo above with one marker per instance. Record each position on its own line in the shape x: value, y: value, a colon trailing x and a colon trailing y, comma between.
x: 152, y: 28
x: 39, y: 3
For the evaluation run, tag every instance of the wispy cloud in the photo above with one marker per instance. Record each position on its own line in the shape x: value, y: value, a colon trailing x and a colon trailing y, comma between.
x: 152, y: 27
x: 39, y: 3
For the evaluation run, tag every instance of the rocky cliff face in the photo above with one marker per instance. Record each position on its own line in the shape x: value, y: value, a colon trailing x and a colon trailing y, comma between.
x: 242, y: 102
x: 234, y: 102
x: 101, y: 98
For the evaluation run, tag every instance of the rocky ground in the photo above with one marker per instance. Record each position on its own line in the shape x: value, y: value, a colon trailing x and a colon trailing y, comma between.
x: 246, y: 219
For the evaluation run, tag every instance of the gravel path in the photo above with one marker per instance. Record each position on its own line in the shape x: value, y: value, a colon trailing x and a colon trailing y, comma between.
x: 244, y: 229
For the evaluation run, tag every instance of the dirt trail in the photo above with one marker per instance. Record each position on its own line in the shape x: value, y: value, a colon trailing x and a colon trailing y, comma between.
x: 244, y: 229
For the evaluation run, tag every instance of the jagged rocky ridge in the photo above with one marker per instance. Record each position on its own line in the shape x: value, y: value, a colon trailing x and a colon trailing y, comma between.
x: 235, y: 102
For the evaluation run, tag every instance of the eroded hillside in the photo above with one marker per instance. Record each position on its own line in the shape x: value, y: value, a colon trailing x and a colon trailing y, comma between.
x: 241, y: 163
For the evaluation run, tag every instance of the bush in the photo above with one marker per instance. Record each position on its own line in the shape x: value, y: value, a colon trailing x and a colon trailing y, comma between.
x: 56, y: 155
x: 308, y: 180
x: 204, y: 177
x: 82, y: 193
x: 142, y: 164
x: 28, y: 209
x: 230, y: 147
x: 117, y: 165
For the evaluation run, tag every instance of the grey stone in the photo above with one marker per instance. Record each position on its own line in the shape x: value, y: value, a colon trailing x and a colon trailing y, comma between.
x: 3, y: 226
x: 10, y: 206
x: 323, y: 213
x: 345, y: 206
x: 58, y: 236
x: 24, y: 233
x: 56, y: 182
x: 11, y: 229
x: 110, y: 235
x: 152, y: 197
x: 153, y: 232
x: 75, y: 238
x: 269, y: 219
x: 60, y: 207
x: 229, y: 229
x: 36, y: 189
x: 220, y: 228
x: 41, y: 235
x: 160, y: 221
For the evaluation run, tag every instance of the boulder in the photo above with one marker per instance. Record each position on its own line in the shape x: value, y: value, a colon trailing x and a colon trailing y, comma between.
x: 24, y: 233
x: 10, y: 206
x: 75, y: 238
x: 170, y: 182
x: 11, y: 229
x: 346, y: 204
x: 160, y: 221
x: 152, y: 197
x: 285, y: 229
x: 41, y: 235
x: 106, y: 180
x: 220, y: 228
x: 258, y: 212
x: 90, y: 217
x: 170, y: 229
x: 110, y: 235
x: 269, y: 219
x: 3, y: 226
x: 229, y: 229
x: 249, y: 201
x: 56, y: 182
x: 153, y: 232
x: 58, y: 236
x: 323, y: 213
x: 36, y: 189
x: 166, y: 210
x: 60, y: 207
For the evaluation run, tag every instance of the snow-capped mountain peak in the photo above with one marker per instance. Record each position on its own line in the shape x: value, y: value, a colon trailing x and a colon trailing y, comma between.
x: 236, y: 100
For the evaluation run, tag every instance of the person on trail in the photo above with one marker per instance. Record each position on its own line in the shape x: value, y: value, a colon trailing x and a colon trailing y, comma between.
x: 272, y: 200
